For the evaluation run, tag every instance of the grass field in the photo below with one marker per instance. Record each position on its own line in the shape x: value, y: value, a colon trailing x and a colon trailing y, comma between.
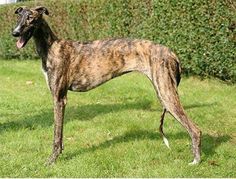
x: 112, y: 131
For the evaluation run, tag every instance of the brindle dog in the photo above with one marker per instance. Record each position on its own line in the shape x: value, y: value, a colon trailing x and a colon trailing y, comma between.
x: 79, y: 66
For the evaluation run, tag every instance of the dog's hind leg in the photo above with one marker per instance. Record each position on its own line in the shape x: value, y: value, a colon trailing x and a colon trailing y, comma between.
x: 165, y: 83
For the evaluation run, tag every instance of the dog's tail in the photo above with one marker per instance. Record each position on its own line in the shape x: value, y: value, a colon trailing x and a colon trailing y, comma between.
x: 178, y: 73
x: 176, y: 69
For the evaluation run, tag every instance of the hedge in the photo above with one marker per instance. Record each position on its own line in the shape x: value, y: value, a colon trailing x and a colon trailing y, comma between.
x: 201, y: 32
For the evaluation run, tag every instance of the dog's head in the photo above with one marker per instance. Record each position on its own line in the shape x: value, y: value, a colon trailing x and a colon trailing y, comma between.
x: 28, y: 21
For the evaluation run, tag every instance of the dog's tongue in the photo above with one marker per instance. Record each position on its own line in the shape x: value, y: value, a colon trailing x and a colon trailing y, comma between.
x: 20, y: 42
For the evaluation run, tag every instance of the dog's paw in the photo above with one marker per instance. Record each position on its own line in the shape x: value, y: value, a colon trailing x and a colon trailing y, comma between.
x: 194, y: 162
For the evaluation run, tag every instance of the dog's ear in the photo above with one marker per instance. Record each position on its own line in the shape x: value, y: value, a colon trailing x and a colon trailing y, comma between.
x: 19, y: 9
x: 41, y: 10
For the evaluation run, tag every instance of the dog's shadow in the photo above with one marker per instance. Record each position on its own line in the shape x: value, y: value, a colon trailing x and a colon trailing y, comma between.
x: 209, y: 143
x: 44, y: 119
x: 84, y: 112
x: 88, y: 112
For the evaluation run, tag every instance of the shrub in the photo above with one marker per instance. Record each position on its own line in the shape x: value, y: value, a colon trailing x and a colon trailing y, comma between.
x: 202, y: 33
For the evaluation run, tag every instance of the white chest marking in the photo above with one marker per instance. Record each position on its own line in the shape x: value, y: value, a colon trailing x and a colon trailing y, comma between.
x: 46, y: 77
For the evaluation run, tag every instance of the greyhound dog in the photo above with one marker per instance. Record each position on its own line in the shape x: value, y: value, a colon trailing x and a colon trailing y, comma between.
x: 82, y: 66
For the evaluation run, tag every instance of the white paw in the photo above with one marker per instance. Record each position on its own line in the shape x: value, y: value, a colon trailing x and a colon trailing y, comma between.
x: 194, y: 162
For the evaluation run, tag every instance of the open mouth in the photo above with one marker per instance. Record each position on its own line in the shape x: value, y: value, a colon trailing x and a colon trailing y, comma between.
x: 24, y: 38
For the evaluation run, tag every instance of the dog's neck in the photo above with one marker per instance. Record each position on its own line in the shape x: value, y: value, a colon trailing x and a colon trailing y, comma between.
x: 44, y: 38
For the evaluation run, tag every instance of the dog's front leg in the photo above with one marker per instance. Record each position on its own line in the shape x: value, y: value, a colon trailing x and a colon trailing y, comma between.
x: 59, y: 109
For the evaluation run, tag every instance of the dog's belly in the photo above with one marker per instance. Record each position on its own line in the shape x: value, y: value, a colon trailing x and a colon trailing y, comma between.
x: 83, y: 84
x: 79, y: 86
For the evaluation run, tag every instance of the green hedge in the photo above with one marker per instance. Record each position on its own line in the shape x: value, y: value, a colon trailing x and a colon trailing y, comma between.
x: 201, y: 32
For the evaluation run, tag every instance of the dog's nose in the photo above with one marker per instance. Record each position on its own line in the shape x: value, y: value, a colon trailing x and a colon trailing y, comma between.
x: 16, y: 33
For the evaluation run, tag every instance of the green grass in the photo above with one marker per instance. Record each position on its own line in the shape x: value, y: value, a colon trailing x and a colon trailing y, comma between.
x: 111, y: 131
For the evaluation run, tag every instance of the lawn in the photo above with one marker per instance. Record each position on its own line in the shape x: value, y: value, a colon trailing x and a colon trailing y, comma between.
x: 112, y: 131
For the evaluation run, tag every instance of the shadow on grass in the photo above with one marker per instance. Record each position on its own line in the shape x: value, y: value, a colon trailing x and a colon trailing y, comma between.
x: 86, y: 112
x: 199, y: 105
x: 209, y: 143
x: 133, y: 135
